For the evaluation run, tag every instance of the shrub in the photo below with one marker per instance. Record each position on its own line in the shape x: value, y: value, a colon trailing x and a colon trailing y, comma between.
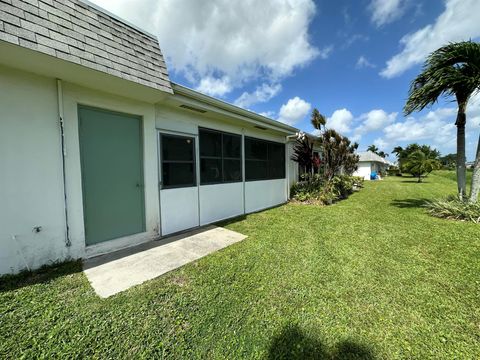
x: 455, y: 209
x: 315, y: 189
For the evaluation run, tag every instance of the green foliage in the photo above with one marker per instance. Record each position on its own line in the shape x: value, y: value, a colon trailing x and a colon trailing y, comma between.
x: 338, y: 154
x: 452, y: 70
x: 420, y: 164
x: 316, y: 189
x: 455, y: 209
x: 403, y: 155
x: 303, y: 153
x: 375, y: 271
x: 449, y: 161
x: 393, y: 170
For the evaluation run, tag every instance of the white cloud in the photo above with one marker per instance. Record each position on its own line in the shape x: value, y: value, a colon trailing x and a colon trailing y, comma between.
x: 340, y: 121
x: 262, y: 94
x: 215, y: 86
x: 325, y: 52
x: 240, y: 40
x: 268, y: 114
x: 363, y: 62
x: 435, y: 125
x: 380, y: 143
x: 458, y: 22
x: 386, y: 11
x: 294, y: 111
x: 376, y: 119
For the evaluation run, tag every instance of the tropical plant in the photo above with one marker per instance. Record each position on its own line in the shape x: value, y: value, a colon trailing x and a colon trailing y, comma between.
x: 339, y: 154
x: 303, y: 153
x: 448, y: 161
x: 382, y: 154
x: 318, y: 120
x: 452, y: 70
x: 373, y: 149
x: 420, y: 164
x: 403, y: 153
x: 455, y: 209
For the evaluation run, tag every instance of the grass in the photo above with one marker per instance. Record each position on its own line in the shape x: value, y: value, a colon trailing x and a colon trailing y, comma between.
x: 371, y: 277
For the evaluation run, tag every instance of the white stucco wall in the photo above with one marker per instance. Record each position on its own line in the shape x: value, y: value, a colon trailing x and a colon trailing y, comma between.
x: 31, y: 181
x: 364, y: 170
x: 31, y: 190
x: 73, y: 96
x: 31, y: 178
x: 219, y: 202
x: 264, y: 194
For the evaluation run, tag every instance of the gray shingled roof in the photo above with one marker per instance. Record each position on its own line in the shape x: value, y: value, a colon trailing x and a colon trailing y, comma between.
x: 80, y: 33
x: 371, y: 156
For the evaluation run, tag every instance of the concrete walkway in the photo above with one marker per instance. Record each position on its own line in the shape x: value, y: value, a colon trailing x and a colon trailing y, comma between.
x: 112, y: 273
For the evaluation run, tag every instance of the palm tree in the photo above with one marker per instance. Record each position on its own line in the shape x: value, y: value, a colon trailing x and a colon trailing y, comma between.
x: 318, y: 120
x: 452, y: 70
x: 373, y: 149
x: 382, y: 154
x: 419, y: 164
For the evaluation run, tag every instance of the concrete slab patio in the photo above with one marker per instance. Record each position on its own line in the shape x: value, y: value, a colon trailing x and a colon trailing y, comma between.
x: 112, y: 273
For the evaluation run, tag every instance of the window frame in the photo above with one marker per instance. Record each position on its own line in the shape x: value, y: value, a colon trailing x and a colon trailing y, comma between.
x: 268, y: 161
x: 193, y: 161
x: 221, y: 158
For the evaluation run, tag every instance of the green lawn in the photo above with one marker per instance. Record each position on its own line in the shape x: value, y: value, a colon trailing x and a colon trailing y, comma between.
x: 372, y: 277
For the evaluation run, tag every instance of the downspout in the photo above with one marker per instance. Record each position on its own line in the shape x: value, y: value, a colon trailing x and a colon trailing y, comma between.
x: 68, y: 243
x: 243, y: 171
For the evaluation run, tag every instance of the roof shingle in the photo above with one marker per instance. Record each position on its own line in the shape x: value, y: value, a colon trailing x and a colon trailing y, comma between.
x: 78, y: 32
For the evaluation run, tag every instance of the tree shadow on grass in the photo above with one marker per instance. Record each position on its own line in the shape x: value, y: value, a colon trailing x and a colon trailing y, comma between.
x: 409, y: 203
x: 43, y: 275
x: 292, y: 343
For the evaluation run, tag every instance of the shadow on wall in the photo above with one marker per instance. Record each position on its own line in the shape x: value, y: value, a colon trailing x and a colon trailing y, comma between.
x: 409, y: 203
x: 43, y: 275
x: 292, y: 343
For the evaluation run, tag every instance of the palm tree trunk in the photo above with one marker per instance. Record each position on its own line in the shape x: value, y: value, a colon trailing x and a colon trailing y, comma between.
x: 476, y: 176
x: 461, y: 170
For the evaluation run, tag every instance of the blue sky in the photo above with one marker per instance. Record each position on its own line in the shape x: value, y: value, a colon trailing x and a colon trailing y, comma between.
x: 353, y: 60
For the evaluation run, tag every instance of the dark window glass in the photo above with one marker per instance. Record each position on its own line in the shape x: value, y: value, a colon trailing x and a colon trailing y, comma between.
x: 210, y: 171
x: 264, y: 160
x: 256, y: 149
x: 178, y: 164
x: 210, y: 143
x: 177, y: 148
x: 255, y: 170
x: 220, y: 157
x: 232, y: 146
x: 232, y: 170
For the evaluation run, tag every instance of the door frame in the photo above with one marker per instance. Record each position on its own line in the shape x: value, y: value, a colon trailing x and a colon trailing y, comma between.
x: 142, y: 169
x: 159, y: 132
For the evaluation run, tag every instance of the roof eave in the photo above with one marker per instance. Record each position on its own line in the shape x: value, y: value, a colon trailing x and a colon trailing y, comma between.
x: 193, y: 94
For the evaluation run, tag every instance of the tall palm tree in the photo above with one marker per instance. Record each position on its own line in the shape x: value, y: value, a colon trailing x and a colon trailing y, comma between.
x: 318, y: 120
x: 373, y: 149
x: 452, y: 70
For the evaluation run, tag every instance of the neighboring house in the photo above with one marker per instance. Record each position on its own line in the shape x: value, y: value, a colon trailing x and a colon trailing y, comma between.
x: 370, y: 162
x: 470, y: 164
x: 100, y: 151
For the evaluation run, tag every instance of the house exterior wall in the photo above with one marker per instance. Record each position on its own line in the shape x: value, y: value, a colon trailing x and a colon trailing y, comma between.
x: 221, y: 201
x: 364, y: 170
x: 32, y: 184
x: 31, y: 180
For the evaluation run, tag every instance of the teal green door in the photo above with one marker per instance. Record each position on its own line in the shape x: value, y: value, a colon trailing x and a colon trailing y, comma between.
x: 112, y: 174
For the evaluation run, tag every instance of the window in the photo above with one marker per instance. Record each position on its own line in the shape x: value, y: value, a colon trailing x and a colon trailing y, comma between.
x: 264, y: 160
x: 220, y: 157
x: 178, y: 161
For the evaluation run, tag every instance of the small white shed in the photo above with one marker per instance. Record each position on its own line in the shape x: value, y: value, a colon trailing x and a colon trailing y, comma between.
x: 370, y: 162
